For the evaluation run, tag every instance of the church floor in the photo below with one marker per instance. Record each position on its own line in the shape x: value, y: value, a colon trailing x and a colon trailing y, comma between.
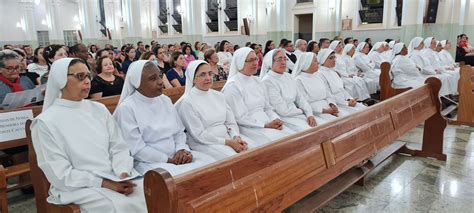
x: 400, y: 184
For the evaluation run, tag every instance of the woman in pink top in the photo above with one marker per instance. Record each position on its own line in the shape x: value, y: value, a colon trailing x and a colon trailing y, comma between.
x: 189, y: 55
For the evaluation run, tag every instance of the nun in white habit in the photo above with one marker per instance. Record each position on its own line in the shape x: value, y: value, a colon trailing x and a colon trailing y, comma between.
x: 312, y: 87
x: 80, y: 148
x: 209, y: 121
x: 404, y: 72
x: 247, y: 96
x: 377, y: 55
x: 354, y: 85
x: 424, y: 64
x: 446, y: 58
x: 284, y: 96
x: 151, y: 126
x: 367, y: 68
x: 334, y: 83
x: 429, y: 52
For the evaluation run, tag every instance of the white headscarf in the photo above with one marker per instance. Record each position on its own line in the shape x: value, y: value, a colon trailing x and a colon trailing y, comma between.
x: 396, y: 49
x: 190, y: 71
x: 238, y: 61
x: 303, y: 63
x: 56, y: 81
x: 375, y: 47
x: 267, y: 63
x: 414, y: 43
x: 443, y: 43
x: 298, y: 43
x: 360, y: 46
x: 133, y: 79
x: 347, y: 48
x: 323, y: 55
x: 334, y: 44
x: 391, y: 44
x: 427, y: 42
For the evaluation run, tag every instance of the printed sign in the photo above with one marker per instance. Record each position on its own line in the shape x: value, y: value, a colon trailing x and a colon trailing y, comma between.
x: 12, y: 124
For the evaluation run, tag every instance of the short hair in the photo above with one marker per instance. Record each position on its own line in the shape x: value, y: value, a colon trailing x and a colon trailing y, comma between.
x: 127, y: 49
x: 208, y: 54
x: 236, y: 47
x: 6, y: 46
x: 248, y: 44
x: 321, y: 41
x: 7, y: 55
x: 253, y: 46
x: 174, y: 57
x: 286, y: 43
x: 140, y: 42
x: 20, y: 52
x: 146, y: 55
x: 99, y: 53
x: 170, y: 45
x: 311, y: 45
x: 346, y: 40
x: 98, y: 64
x: 75, y: 48
x: 90, y: 47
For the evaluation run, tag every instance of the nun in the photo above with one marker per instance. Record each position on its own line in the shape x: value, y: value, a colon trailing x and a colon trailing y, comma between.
x: 247, y: 97
x: 377, y: 54
x: 430, y: 53
x: 209, y: 121
x: 403, y: 71
x: 283, y: 93
x: 151, y: 126
x: 447, y: 59
x: 312, y: 87
x: 334, y: 83
x: 80, y: 148
x: 425, y: 65
x: 367, y: 68
x: 354, y: 85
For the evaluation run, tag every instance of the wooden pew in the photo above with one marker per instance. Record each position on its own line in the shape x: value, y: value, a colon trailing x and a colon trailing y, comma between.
x: 465, y: 114
x: 41, y: 184
x: 273, y: 177
x: 386, y: 89
x: 24, y: 168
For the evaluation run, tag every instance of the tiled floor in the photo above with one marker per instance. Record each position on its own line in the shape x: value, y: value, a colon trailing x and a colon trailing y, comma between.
x: 400, y: 184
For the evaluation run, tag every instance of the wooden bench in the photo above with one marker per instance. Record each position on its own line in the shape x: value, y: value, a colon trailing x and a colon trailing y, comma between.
x: 24, y: 168
x: 385, y: 81
x: 465, y: 115
x: 275, y: 176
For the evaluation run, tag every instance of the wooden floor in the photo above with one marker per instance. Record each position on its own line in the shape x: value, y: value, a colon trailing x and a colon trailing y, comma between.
x: 401, y: 184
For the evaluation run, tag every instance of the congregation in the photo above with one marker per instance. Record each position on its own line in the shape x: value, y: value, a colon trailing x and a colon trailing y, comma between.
x: 272, y: 91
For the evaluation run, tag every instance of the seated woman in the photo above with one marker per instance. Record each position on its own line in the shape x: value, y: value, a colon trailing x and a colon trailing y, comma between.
x: 404, y: 71
x: 210, y: 56
x: 447, y: 59
x: 283, y: 93
x: 105, y: 83
x: 80, y: 147
x: 209, y: 121
x: 247, y: 96
x: 426, y: 67
x: 163, y: 65
x: 151, y: 126
x: 189, y: 55
x: 334, y: 83
x: 176, y: 74
x: 10, y: 79
x: 311, y: 86
x: 367, y: 67
x: 51, y: 54
x: 354, y: 85
x: 377, y: 54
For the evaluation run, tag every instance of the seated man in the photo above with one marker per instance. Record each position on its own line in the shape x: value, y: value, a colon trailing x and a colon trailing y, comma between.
x: 80, y: 148
x: 151, y: 126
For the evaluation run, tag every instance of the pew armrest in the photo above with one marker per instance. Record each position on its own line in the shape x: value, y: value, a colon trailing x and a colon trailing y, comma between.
x: 160, y: 191
x: 70, y: 208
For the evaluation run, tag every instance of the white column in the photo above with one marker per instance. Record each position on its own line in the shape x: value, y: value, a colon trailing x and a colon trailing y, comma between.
x: 131, y: 13
x: 89, y: 17
x: 52, y: 19
x: 28, y: 19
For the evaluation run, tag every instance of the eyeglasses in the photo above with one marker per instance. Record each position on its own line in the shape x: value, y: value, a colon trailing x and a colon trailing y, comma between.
x: 81, y: 76
x: 205, y: 74
x: 281, y: 59
x: 252, y: 60
x: 12, y: 69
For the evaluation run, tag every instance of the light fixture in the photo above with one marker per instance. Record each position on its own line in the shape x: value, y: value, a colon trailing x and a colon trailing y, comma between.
x: 43, y: 22
x: 331, y: 4
x: 75, y: 18
x: 37, y: 2
x: 18, y: 25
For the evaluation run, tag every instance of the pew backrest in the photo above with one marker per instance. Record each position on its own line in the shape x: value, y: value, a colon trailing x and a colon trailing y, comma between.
x: 272, y: 177
x: 385, y: 81
x: 466, y: 96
